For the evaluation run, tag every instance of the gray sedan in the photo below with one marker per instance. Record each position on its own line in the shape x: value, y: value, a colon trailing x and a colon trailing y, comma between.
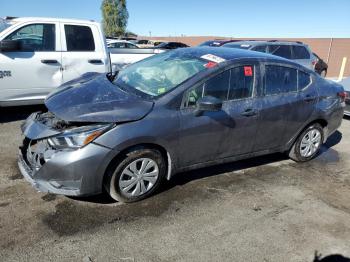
x: 176, y: 111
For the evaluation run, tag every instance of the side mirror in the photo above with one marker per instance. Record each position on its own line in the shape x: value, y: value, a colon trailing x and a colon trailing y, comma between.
x: 9, y: 45
x: 208, y: 103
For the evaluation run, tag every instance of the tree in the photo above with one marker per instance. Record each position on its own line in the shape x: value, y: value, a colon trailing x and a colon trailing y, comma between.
x: 115, y: 17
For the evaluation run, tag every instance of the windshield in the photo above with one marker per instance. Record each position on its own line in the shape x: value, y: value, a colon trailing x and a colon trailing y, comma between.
x: 3, y: 25
x: 160, y: 73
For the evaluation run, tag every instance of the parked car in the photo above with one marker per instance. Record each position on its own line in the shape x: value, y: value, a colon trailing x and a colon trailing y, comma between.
x: 156, y: 42
x: 217, y: 43
x: 321, y: 66
x: 346, y: 84
x: 144, y: 43
x: 171, y: 45
x: 295, y: 51
x: 37, y: 55
x: 120, y: 44
x: 179, y: 110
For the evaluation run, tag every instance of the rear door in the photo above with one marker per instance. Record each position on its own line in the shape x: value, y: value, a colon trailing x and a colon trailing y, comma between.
x: 278, y: 104
x: 35, y: 69
x: 83, y: 50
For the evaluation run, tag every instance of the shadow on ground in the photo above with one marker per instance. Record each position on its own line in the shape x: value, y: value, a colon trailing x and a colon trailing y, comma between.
x: 330, y: 258
x: 186, y: 177
x: 16, y: 113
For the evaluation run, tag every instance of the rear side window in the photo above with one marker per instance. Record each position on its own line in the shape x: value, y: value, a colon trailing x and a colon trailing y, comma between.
x: 260, y: 48
x: 79, y: 38
x: 241, y: 82
x: 304, y: 80
x: 35, y: 37
x: 300, y: 52
x: 279, y: 80
x: 281, y: 50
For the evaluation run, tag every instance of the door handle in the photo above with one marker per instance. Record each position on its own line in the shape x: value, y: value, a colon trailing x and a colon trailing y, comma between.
x: 48, y: 61
x: 95, y: 61
x: 309, y: 98
x: 249, y: 112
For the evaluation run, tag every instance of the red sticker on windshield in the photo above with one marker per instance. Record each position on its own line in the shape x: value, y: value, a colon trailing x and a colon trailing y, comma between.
x: 248, y: 71
x: 210, y: 65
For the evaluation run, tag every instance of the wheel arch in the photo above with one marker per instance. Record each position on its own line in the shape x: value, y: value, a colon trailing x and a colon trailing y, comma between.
x: 121, y: 154
x: 321, y: 121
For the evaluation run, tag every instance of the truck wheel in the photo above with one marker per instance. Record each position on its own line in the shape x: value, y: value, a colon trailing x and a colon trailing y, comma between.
x: 323, y: 73
x: 308, y: 144
x: 137, y: 176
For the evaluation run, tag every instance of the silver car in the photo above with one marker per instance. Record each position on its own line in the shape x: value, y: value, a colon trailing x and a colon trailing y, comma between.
x: 296, y: 51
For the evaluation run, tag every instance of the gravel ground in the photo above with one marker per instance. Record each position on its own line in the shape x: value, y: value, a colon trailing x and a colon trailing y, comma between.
x: 263, y: 209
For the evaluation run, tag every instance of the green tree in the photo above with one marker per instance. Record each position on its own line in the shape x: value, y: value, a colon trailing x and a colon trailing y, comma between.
x: 115, y: 17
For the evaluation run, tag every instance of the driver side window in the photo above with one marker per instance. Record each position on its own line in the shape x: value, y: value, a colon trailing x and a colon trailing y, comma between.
x: 35, y: 37
x: 217, y: 86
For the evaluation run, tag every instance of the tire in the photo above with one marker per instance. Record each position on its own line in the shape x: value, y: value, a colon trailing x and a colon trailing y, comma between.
x: 126, y: 182
x: 299, y: 151
x: 323, y: 73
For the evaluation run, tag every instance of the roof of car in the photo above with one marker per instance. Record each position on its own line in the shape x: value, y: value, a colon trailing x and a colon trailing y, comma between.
x: 258, y: 42
x: 227, y: 53
x: 50, y: 19
x: 111, y: 41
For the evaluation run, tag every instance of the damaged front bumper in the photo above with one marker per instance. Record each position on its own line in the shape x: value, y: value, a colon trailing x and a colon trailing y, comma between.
x: 71, y: 172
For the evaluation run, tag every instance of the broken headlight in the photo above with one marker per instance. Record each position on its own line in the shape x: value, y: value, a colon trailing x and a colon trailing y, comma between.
x: 78, y: 137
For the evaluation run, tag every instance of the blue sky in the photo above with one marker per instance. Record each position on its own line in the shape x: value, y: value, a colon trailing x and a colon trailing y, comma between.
x: 243, y: 18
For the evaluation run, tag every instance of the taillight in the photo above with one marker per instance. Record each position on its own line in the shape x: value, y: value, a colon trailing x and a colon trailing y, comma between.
x: 314, y: 62
x: 343, y: 95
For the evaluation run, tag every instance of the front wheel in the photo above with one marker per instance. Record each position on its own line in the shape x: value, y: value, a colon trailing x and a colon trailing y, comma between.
x: 308, y: 144
x: 137, y: 176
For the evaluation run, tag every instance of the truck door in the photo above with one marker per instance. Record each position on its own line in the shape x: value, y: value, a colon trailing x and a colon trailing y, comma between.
x: 83, y: 50
x: 34, y: 69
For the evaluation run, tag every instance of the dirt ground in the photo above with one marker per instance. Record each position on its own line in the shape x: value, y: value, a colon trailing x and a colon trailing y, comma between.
x: 263, y: 209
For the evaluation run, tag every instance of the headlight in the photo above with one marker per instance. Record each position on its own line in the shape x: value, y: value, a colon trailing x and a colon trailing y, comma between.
x: 78, y: 137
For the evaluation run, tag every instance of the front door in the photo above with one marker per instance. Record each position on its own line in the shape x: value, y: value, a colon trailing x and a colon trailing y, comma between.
x: 35, y: 69
x: 222, y: 134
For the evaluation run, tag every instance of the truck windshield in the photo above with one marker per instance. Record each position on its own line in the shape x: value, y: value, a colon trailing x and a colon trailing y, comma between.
x: 159, y: 74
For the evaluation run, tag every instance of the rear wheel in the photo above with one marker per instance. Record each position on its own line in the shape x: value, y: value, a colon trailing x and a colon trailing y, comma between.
x: 308, y: 144
x: 137, y: 176
x: 323, y: 73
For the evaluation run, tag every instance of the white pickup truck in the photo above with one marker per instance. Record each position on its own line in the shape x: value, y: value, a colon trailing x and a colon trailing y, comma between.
x: 38, y: 55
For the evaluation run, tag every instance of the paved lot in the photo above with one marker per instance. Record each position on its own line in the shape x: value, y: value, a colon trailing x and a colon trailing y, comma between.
x: 264, y: 209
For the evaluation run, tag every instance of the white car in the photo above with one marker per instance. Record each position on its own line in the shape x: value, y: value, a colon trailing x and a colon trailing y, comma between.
x: 38, y: 55
x: 111, y: 43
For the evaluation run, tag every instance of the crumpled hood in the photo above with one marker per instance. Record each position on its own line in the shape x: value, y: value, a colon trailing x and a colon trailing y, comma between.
x: 93, y: 98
